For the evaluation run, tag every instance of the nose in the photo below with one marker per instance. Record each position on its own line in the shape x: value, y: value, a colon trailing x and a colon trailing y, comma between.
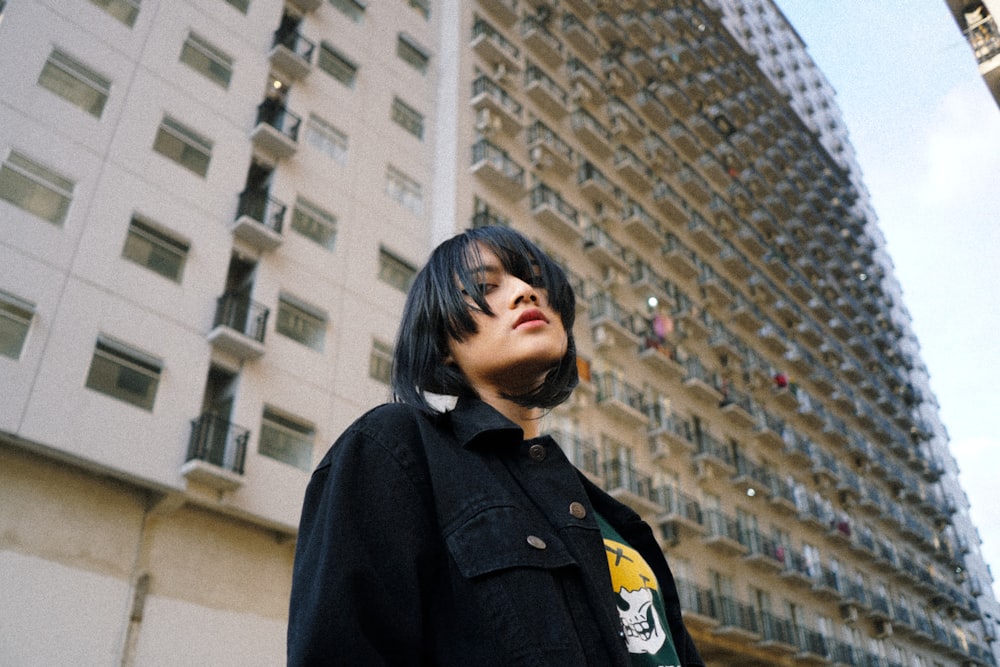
x: 522, y: 292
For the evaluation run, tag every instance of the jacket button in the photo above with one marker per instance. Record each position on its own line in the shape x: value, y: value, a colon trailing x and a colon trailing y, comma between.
x: 577, y: 510
x: 536, y: 542
x: 537, y: 453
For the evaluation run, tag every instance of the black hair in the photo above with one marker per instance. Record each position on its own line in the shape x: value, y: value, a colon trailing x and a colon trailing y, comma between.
x: 438, y: 311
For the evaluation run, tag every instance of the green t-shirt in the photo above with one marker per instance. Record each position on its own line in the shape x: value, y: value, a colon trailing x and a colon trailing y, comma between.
x: 640, y: 604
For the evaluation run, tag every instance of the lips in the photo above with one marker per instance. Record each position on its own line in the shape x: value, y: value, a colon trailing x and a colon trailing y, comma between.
x: 531, y: 315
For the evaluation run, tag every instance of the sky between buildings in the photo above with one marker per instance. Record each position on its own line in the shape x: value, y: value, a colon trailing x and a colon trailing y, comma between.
x: 927, y: 136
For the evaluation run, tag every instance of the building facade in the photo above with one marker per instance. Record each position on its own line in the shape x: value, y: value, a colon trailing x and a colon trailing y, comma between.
x: 210, y: 212
x: 977, y: 21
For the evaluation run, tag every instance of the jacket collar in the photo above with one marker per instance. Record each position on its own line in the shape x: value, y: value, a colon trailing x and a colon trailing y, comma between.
x: 475, y: 422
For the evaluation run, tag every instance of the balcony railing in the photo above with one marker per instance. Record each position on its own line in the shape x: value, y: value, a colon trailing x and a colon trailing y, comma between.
x: 291, y: 52
x: 276, y: 128
x: 236, y: 311
x: 217, y: 441
x: 984, y: 38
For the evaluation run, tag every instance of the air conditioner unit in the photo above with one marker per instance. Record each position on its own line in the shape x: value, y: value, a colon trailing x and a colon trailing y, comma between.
x: 883, y: 629
x: 848, y: 613
x: 487, y: 122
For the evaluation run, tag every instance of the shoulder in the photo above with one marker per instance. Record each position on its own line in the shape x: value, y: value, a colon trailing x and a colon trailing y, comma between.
x: 392, y: 431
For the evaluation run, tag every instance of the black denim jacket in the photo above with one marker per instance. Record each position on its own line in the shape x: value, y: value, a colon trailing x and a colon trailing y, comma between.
x: 448, y: 540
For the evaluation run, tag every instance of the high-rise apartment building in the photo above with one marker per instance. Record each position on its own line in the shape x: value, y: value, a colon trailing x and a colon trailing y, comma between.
x: 977, y: 21
x: 210, y: 211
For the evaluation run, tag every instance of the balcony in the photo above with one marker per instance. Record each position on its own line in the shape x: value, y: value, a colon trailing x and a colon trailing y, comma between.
x: 608, y: 28
x: 495, y: 49
x: 984, y: 38
x: 495, y: 109
x: 239, y: 326
x: 641, y: 225
x: 216, y: 453
x: 620, y: 78
x: 543, y: 43
x: 611, y: 325
x: 670, y: 203
x: 684, y: 141
x: 545, y: 92
x: 580, y: 37
x: 276, y: 130
x: 680, y: 258
x: 587, y: 86
x: 627, y: 485
x: 763, y: 552
x: 291, y: 53
x: 722, y: 533
x: 651, y: 106
x: 549, y: 208
x: 623, y: 400
x: 704, y: 235
x: 700, y: 382
x: 626, y: 125
x: 504, y: 11
x: 681, y: 512
x: 548, y: 151
x: 641, y: 64
x: 594, y: 135
x: 596, y: 187
x: 675, y: 99
x: 638, y: 30
x: 605, y: 251
x: 494, y: 166
x: 259, y: 220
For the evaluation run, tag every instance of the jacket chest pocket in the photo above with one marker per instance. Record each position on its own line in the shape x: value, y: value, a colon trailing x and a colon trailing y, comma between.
x: 518, y: 577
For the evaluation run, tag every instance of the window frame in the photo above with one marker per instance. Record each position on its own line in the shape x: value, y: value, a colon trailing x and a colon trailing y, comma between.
x: 380, y: 361
x: 67, y: 77
x: 392, y: 267
x: 407, y: 117
x: 127, y: 358
x: 217, y: 60
x: 14, y: 312
x: 173, y: 129
x: 320, y: 218
x: 309, y: 315
x: 126, y: 11
x: 412, y: 53
x: 404, y: 190
x: 326, y: 138
x: 352, y: 9
x: 39, y: 176
x: 341, y: 68
x: 144, y: 230
x: 291, y: 431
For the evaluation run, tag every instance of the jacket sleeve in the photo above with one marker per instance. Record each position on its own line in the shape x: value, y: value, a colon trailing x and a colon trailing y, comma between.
x: 364, y: 556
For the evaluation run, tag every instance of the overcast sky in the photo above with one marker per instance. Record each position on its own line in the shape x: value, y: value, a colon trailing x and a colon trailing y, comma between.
x: 927, y: 135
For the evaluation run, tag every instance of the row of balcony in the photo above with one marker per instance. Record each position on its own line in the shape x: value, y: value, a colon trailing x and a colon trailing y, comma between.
x: 726, y: 615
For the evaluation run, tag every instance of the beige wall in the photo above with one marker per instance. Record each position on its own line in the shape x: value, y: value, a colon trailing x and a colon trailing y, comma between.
x: 72, y: 544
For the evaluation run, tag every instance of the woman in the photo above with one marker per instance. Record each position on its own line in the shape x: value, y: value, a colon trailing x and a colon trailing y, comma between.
x: 462, y: 536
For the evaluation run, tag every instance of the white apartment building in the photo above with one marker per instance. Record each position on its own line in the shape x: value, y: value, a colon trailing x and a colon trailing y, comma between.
x: 210, y: 211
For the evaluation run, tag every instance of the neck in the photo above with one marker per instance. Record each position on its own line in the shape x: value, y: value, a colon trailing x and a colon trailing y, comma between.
x: 529, y: 419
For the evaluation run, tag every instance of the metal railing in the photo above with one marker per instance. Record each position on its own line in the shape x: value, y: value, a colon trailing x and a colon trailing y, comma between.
x: 217, y: 441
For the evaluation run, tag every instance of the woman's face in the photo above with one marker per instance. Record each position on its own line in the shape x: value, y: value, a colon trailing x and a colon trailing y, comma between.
x: 515, y: 347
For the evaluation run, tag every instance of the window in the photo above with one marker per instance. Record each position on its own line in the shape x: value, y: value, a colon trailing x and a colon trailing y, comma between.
x: 73, y: 81
x: 301, y: 323
x: 411, y: 52
x: 352, y: 9
x: 124, y: 10
x: 337, y: 65
x: 184, y: 146
x: 394, y: 271
x: 286, y: 439
x: 124, y: 373
x: 380, y: 362
x: 15, y: 320
x: 404, y: 190
x: 408, y: 118
x: 423, y: 7
x: 242, y: 5
x: 204, y: 58
x: 34, y: 188
x: 314, y: 223
x: 157, y: 251
x: 324, y: 137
